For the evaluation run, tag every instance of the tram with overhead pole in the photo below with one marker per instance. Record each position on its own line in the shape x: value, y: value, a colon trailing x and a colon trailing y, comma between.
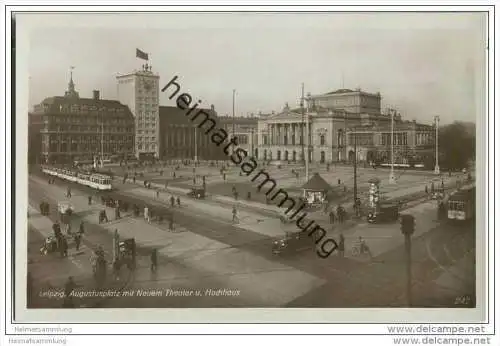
x: 462, y: 204
x: 96, y: 181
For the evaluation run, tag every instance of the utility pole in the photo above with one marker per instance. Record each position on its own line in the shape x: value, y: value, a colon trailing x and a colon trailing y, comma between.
x: 252, y: 138
x: 195, y: 146
x: 392, y: 177
x: 436, y: 122
x: 102, y: 141
x: 308, y: 138
x: 116, y: 241
x: 302, y: 139
x: 234, y: 93
x: 408, y: 228
x: 355, y: 167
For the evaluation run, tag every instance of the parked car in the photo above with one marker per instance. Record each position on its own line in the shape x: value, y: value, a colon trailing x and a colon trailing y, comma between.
x: 384, y: 212
x: 293, y: 243
x: 198, y: 193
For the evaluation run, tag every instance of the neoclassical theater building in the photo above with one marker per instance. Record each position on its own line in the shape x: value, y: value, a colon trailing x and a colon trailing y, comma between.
x: 342, y: 123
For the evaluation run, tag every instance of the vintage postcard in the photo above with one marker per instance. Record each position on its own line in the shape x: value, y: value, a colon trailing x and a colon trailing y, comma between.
x: 251, y: 166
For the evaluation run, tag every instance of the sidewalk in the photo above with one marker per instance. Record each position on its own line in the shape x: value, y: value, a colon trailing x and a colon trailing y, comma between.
x: 266, y: 225
x: 259, y: 279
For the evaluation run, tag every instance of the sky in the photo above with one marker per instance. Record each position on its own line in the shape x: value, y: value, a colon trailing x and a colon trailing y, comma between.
x: 423, y: 64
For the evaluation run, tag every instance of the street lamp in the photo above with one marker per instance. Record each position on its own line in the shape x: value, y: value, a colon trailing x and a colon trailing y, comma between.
x: 195, y: 146
x: 234, y: 93
x: 308, y: 136
x: 102, y: 140
x: 392, y: 177
x: 252, y: 145
x: 302, y: 139
x: 436, y: 122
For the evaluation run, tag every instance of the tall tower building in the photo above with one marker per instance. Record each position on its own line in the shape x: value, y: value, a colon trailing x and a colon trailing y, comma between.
x: 140, y: 92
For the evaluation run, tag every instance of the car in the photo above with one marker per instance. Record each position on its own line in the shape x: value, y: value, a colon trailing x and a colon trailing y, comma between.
x: 384, y: 212
x: 293, y: 243
x: 198, y: 193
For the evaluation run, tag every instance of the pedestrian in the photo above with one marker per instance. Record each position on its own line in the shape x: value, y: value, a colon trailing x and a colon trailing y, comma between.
x: 340, y: 215
x: 146, y: 214
x: 426, y: 190
x: 63, y: 246
x: 178, y: 201
x: 235, y: 215
x: 338, y: 181
x: 56, y: 227
x: 171, y: 222
x: 224, y: 176
x: 81, y: 229
x: 116, y: 269
x: 105, y: 216
x: 133, y: 179
x: 341, y: 245
x: 90, y: 200
x: 194, y: 180
x: 332, y: 217
x: 78, y: 238
x: 363, y: 248
x: 174, y: 175
x: 441, y: 210
x: 145, y: 183
x: 158, y: 194
x: 172, y: 201
x: 68, y: 193
x: 249, y: 195
x: 117, y: 213
x: 154, y: 260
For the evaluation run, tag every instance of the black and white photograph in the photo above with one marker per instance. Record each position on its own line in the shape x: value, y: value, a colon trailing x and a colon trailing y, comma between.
x: 251, y: 170
x: 298, y: 160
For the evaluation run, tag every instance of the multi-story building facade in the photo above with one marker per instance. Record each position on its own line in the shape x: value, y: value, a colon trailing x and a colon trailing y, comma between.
x: 413, y: 142
x: 140, y: 92
x: 352, y: 101
x: 177, y: 136
x: 72, y: 128
x: 282, y: 136
x: 245, y: 129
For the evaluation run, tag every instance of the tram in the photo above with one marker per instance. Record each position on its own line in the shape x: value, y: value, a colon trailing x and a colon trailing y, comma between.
x: 94, y: 180
x: 462, y: 204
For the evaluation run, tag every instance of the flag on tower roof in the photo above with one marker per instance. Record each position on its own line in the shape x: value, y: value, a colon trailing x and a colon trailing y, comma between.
x: 140, y: 54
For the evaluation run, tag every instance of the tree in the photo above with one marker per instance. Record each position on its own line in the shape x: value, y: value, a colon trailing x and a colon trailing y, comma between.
x: 457, y: 145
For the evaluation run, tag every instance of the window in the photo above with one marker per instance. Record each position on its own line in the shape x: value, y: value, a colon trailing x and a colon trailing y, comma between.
x: 322, y: 140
